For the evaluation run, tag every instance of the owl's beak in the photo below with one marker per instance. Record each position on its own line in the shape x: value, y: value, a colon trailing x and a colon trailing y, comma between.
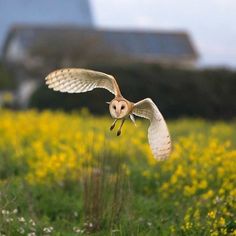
x: 117, y: 113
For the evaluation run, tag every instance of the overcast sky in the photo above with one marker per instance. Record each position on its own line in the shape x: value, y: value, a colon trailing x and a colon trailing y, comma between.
x: 211, y: 23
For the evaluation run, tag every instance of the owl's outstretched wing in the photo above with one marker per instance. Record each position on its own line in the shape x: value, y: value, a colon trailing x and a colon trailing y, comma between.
x: 76, y: 80
x: 158, y: 134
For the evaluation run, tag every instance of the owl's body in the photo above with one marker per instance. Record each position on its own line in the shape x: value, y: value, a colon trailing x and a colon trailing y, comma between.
x: 73, y: 80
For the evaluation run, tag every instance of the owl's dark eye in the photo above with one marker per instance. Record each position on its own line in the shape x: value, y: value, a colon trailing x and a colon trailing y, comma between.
x: 114, y: 107
x: 122, y: 107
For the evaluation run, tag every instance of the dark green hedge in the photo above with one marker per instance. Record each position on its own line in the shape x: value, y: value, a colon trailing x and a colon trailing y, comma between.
x: 6, y: 79
x: 202, y: 93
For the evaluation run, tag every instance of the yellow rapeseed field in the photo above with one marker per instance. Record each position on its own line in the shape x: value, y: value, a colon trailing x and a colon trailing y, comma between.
x: 195, y: 188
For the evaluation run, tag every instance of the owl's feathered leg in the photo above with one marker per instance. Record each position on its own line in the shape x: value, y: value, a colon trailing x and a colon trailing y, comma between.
x: 113, y: 125
x: 119, y: 130
x: 132, y: 119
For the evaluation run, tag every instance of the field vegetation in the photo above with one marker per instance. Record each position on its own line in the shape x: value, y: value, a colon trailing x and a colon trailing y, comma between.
x: 67, y: 174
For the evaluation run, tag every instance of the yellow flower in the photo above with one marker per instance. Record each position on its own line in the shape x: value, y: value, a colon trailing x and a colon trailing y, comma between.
x: 222, y: 221
x: 212, y: 214
x: 203, y: 184
x: 189, y: 190
x: 208, y: 194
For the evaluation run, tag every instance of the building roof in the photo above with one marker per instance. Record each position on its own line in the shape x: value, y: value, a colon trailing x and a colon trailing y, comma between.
x: 153, y: 45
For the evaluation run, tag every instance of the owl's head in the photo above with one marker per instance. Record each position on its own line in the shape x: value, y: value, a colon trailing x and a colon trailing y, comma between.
x: 118, y: 109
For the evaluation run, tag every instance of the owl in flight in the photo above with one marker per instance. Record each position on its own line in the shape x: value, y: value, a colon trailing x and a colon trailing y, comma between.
x: 75, y: 80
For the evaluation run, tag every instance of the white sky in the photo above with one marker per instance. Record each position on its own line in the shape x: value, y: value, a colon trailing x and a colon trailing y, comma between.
x: 211, y: 23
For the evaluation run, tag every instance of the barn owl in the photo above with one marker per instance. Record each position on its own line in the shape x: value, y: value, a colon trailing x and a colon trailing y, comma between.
x: 75, y: 80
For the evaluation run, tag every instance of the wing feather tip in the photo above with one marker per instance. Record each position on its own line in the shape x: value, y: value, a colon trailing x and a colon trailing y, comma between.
x: 161, y: 157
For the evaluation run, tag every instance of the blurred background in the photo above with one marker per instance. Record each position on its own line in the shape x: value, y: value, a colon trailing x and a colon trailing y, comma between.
x: 182, y: 54
x: 65, y: 173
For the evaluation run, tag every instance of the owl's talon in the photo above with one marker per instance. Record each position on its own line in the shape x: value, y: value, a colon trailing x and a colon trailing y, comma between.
x: 119, y: 130
x: 112, y: 127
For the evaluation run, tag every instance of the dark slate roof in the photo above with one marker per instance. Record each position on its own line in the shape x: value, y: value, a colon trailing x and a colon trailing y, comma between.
x: 135, y: 43
x: 150, y: 43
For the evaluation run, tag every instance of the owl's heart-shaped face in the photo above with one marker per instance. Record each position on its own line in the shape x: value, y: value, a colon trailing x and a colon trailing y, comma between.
x: 118, y: 109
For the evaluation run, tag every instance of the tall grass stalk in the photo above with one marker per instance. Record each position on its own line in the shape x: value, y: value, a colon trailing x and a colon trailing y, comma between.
x: 106, y: 192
